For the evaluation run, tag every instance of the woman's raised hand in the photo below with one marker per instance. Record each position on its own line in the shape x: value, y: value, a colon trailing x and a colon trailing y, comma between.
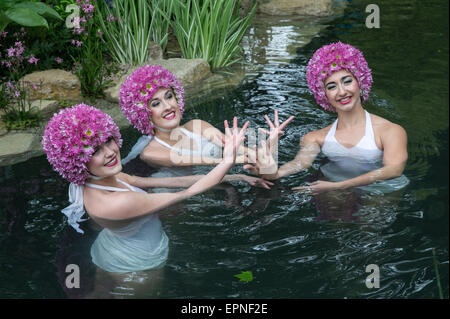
x: 276, y: 130
x: 233, y: 139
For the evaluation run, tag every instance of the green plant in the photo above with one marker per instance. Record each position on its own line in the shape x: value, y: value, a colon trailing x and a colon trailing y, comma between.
x: 25, y: 13
x: 90, y: 59
x: 60, y: 6
x: 19, y: 114
x: 211, y: 30
x: 91, y: 71
x: 129, y: 25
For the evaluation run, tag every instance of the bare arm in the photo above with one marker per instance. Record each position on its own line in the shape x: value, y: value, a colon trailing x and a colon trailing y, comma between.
x: 267, y: 166
x: 125, y: 205
x: 187, y: 181
x: 395, y: 155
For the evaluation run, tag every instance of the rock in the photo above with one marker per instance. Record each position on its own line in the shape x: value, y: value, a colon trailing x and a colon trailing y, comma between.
x: 54, y: 85
x: 188, y: 72
x: 18, y: 147
x: 46, y: 107
x: 154, y: 51
x: 3, y: 129
x: 317, y: 8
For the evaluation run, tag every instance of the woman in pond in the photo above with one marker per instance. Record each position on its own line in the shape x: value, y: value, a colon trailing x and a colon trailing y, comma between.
x: 82, y: 144
x: 362, y: 148
x: 152, y: 99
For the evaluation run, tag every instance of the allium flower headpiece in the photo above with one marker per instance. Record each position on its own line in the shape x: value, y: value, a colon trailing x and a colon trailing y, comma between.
x: 334, y: 57
x: 71, y: 137
x: 139, y: 88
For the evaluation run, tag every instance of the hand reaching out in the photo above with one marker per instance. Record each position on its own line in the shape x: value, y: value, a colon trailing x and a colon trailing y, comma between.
x: 257, y: 181
x: 276, y: 130
x: 265, y: 163
x: 233, y: 139
x: 317, y: 187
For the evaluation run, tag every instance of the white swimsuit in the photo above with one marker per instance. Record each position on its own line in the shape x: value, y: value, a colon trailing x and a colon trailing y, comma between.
x: 346, y: 163
x: 205, y: 147
x: 140, y: 245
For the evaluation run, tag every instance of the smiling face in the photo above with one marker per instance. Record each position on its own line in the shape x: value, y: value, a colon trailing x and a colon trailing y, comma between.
x: 342, y: 90
x: 105, y: 160
x: 165, y: 110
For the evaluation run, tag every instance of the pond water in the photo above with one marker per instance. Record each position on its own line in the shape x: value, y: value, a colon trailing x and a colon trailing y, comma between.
x: 296, y: 245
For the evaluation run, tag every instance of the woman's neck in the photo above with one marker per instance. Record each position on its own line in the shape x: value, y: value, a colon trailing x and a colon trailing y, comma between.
x: 352, y: 118
x: 105, y: 181
x: 165, y: 135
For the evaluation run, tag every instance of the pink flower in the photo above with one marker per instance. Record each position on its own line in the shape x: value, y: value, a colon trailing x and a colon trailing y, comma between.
x: 58, y: 60
x: 77, y: 43
x: 11, y: 52
x: 3, y: 34
x: 87, y: 8
x: 32, y: 60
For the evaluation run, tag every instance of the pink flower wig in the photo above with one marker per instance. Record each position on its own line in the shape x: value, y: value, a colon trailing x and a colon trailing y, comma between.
x: 71, y: 137
x: 139, y: 88
x: 334, y: 57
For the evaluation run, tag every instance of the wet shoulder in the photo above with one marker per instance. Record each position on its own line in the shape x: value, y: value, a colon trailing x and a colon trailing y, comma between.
x: 317, y: 136
x: 154, y: 153
x: 382, y: 126
x: 199, y: 127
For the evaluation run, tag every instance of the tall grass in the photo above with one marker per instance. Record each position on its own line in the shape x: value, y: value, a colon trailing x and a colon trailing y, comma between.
x: 131, y: 26
x: 210, y: 29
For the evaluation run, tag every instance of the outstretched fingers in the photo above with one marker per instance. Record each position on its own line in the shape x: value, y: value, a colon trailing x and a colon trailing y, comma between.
x: 285, y: 123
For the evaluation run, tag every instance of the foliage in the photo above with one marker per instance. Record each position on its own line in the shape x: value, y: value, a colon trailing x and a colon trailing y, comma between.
x: 246, y: 276
x: 25, y: 13
x: 210, y: 29
x: 18, y: 113
x: 90, y: 59
x: 129, y: 25
x: 91, y: 71
x: 60, y: 6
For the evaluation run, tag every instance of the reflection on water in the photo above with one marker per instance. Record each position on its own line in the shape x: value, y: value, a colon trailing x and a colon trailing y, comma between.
x: 296, y: 245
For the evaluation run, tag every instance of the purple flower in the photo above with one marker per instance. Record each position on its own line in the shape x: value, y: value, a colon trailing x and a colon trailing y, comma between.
x: 32, y: 60
x: 58, y: 60
x: 11, y: 52
x: 77, y: 43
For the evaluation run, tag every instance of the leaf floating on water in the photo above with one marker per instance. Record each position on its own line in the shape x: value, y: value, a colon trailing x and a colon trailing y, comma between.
x: 246, y: 276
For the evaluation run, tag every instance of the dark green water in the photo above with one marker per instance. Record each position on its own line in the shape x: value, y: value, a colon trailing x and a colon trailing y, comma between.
x: 295, y: 245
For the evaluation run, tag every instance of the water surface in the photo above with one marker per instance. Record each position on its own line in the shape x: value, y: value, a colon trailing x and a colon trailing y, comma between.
x: 297, y: 246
